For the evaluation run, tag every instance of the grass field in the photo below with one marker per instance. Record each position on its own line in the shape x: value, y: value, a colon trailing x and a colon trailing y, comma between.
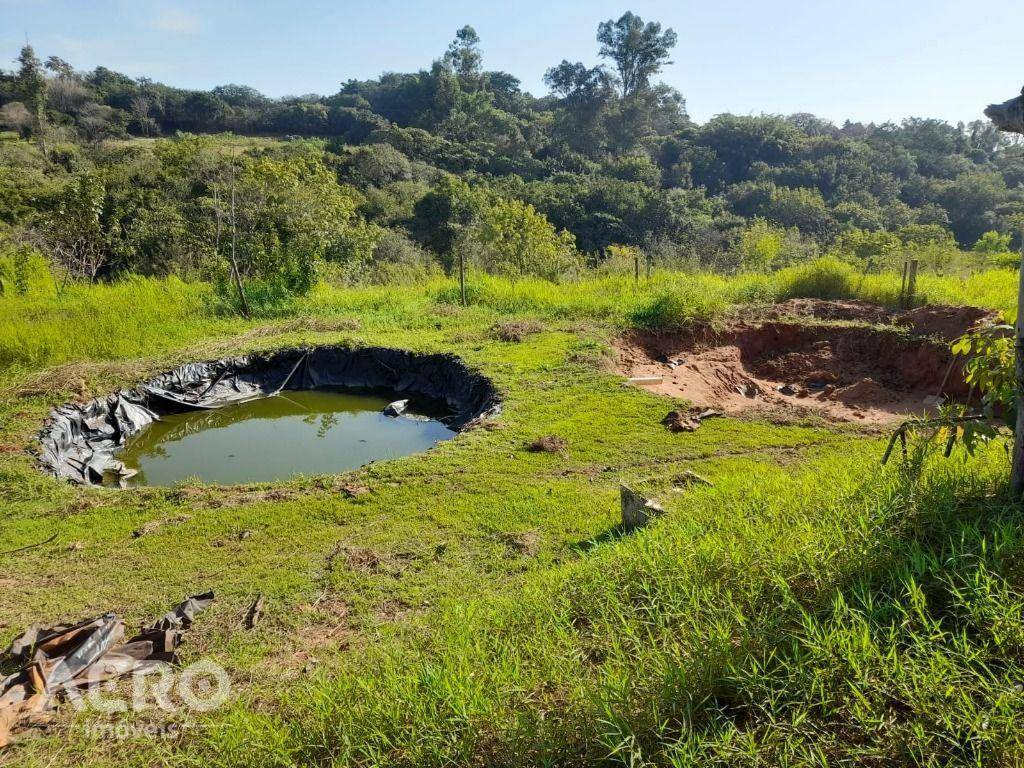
x: 479, y: 605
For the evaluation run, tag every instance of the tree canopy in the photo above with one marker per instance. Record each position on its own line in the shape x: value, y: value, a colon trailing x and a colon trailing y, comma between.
x: 447, y: 155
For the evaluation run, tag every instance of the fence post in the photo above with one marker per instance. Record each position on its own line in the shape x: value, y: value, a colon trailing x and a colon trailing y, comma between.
x: 903, y: 284
x: 462, y: 276
x: 1017, y: 459
x: 912, y: 282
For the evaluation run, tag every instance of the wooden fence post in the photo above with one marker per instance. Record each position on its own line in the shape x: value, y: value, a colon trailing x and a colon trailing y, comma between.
x: 912, y: 282
x: 462, y: 276
x: 1017, y: 460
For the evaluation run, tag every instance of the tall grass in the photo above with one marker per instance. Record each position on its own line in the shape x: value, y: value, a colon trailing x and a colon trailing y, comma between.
x: 137, y: 316
x: 128, y: 318
x: 779, y: 613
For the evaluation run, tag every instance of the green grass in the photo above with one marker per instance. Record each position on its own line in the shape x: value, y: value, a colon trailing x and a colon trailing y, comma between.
x: 810, y: 608
x: 141, y: 316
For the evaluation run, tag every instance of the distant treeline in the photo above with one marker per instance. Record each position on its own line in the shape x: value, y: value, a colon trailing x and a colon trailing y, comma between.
x: 609, y: 155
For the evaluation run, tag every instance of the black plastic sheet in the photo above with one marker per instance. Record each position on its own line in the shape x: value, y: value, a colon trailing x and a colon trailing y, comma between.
x: 80, y: 442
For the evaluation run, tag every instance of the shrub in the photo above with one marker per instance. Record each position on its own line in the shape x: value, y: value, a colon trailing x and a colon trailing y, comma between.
x: 992, y: 242
x: 510, y: 238
x: 825, y: 278
x: 397, y: 259
x: 621, y: 259
x: 673, y: 309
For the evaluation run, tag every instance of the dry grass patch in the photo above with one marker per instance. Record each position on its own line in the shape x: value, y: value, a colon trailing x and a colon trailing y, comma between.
x: 548, y: 444
x: 515, y: 331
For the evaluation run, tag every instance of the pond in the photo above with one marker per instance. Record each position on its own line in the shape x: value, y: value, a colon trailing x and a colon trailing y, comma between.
x: 315, y: 431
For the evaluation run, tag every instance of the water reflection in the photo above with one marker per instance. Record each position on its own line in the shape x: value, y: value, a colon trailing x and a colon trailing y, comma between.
x: 296, y: 432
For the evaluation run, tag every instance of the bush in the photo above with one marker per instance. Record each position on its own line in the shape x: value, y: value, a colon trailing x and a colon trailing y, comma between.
x: 621, y: 259
x: 825, y: 278
x: 511, y: 239
x: 265, y: 297
x: 674, y: 309
x: 23, y: 270
x: 397, y: 259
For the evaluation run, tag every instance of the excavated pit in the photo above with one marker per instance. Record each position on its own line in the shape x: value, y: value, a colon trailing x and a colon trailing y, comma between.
x: 848, y: 361
x: 82, y: 442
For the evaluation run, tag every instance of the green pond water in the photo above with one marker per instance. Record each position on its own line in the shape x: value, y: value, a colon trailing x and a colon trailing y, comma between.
x: 274, y: 438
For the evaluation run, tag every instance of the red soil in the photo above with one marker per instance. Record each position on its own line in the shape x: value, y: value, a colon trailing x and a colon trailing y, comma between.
x: 844, y: 372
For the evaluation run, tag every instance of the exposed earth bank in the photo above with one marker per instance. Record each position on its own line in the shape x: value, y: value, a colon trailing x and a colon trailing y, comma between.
x: 846, y: 360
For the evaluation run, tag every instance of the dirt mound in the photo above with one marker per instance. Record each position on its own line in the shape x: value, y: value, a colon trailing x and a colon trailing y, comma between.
x: 937, y: 320
x: 822, y: 309
x: 845, y: 372
x: 943, y: 322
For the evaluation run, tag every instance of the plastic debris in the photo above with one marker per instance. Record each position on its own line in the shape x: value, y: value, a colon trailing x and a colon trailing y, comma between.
x: 57, y: 661
x: 395, y: 409
x: 687, y: 421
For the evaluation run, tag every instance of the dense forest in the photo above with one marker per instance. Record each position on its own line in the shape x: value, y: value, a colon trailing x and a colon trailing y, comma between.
x: 105, y: 175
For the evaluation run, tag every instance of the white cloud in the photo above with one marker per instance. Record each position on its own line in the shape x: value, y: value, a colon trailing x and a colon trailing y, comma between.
x: 177, y: 21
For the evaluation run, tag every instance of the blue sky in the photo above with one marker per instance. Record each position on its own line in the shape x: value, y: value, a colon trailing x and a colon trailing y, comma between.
x: 869, y: 60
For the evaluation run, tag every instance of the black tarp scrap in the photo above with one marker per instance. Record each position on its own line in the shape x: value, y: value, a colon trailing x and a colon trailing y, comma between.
x: 56, y: 662
x: 80, y: 442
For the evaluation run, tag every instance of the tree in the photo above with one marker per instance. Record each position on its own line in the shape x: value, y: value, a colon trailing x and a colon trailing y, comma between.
x: 74, y: 234
x: 464, y: 56
x: 143, y: 121
x: 440, y: 216
x: 992, y: 243
x: 512, y: 239
x: 576, y: 81
x: 283, y: 217
x: 59, y: 67
x: 586, y: 93
x: 761, y: 246
x: 32, y: 85
x: 1008, y: 116
x: 639, y: 50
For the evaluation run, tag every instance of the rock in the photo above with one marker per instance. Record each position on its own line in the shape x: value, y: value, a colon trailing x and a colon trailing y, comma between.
x: 396, y: 408
x: 677, y: 421
x: 748, y: 389
x: 689, y: 477
x: 351, y: 490
x: 682, y: 421
x: 637, y: 511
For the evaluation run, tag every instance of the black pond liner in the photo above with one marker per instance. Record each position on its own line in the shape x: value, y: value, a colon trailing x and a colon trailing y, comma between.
x: 80, y: 441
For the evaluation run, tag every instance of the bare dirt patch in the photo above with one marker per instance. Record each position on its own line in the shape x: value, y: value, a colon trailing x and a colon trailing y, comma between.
x: 939, y: 321
x: 877, y: 366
